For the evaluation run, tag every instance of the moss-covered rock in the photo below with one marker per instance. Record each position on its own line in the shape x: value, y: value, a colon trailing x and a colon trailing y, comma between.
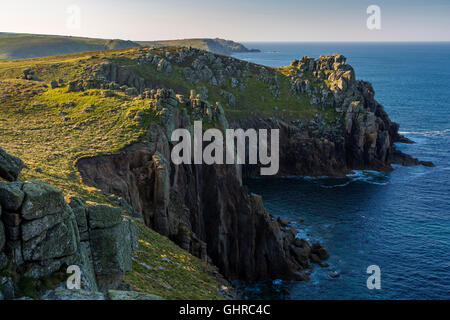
x: 131, y: 295
x: 103, y: 216
x: 11, y: 195
x: 10, y: 166
x: 41, y: 200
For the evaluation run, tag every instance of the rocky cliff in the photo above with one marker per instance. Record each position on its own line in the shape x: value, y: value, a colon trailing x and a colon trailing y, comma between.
x: 329, y: 124
x: 41, y: 234
x: 205, y: 209
x: 361, y: 136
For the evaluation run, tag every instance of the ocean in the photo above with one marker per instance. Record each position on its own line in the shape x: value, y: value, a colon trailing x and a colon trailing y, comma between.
x: 399, y: 221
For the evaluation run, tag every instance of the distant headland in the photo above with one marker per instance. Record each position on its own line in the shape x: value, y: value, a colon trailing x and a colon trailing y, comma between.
x: 23, y: 46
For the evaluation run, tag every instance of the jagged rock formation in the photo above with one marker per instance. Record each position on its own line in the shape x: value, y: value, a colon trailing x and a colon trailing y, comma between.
x: 361, y: 137
x: 204, y: 209
x: 40, y: 233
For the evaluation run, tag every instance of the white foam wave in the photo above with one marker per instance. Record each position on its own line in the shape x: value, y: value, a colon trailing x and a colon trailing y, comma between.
x: 427, y: 133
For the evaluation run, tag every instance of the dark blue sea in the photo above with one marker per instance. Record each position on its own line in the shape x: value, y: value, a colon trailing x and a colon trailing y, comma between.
x: 400, y: 220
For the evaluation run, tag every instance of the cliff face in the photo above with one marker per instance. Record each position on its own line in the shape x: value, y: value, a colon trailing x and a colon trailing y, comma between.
x: 204, y: 209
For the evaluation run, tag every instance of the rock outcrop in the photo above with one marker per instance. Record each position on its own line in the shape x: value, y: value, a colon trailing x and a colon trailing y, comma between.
x: 360, y: 137
x: 40, y: 233
x: 10, y: 166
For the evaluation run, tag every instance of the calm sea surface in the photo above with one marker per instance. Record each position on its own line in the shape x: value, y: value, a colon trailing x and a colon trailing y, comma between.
x: 399, y: 221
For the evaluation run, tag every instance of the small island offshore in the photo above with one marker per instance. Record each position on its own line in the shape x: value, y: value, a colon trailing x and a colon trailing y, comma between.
x: 87, y: 178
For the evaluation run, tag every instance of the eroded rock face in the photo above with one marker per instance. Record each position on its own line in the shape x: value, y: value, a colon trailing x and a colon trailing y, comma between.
x: 209, y: 213
x: 205, y: 209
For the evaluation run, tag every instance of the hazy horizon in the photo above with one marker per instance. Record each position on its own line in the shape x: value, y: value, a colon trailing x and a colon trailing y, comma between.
x: 239, y: 20
x: 241, y: 41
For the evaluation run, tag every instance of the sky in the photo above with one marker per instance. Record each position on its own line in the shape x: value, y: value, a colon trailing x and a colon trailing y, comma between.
x: 239, y: 20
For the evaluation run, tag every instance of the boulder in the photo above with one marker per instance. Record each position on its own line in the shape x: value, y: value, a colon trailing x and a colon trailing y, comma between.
x: 56, y: 242
x: 41, y: 200
x: 10, y: 166
x: 11, y: 195
x: 66, y: 294
x: 283, y: 222
x: 34, y: 228
x: 112, y: 248
x: 320, y: 251
x: 103, y: 216
x: 54, y: 84
x: 88, y: 280
x: 7, y: 288
x: 29, y: 74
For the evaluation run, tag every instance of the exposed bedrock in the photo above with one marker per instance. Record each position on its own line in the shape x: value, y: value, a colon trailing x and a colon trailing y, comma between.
x: 204, y: 209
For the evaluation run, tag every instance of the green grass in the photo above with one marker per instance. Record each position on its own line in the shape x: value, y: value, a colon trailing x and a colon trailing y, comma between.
x: 20, y: 46
x: 50, y: 138
x: 30, y: 287
x: 163, y: 268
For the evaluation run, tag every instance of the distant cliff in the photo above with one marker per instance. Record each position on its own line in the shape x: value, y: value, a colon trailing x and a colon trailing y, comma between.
x: 219, y: 46
x: 23, y: 46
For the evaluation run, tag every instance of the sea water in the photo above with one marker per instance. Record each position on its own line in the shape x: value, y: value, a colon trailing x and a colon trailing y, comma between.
x: 399, y: 221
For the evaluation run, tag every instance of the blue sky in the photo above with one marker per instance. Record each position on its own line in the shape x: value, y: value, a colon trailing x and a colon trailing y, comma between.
x: 240, y: 20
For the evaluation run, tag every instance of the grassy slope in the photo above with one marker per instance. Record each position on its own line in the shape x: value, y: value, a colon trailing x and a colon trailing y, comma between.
x: 19, y: 46
x: 50, y: 138
x: 50, y: 146
x: 163, y: 268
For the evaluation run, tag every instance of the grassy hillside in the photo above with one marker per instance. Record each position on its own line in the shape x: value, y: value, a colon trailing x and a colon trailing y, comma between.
x: 20, y: 46
x: 33, y: 116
